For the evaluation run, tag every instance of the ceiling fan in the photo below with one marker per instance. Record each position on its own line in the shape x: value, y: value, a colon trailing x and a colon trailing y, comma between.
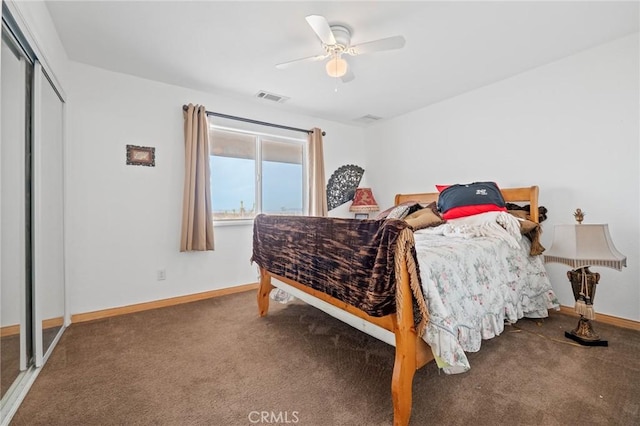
x: 336, y: 42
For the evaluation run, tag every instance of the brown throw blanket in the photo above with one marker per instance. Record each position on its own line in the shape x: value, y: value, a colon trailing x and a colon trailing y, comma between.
x: 354, y: 261
x: 531, y: 230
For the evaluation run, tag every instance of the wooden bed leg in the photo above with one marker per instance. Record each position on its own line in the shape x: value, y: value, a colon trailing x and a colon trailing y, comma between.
x: 405, y: 364
x: 263, y: 292
x: 402, y: 382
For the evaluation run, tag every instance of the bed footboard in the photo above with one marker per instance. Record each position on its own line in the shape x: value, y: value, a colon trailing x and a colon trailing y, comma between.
x: 366, y: 268
x: 411, y: 353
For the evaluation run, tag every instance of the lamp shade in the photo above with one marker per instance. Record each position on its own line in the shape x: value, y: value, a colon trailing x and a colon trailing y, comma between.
x: 584, y: 245
x: 363, y: 201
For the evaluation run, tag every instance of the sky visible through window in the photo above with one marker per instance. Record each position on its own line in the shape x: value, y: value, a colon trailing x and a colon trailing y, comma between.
x: 232, y: 182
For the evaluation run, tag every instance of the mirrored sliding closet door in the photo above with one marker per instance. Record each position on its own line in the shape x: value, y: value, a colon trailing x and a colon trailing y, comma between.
x: 48, y: 208
x: 32, y: 278
x: 16, y: 347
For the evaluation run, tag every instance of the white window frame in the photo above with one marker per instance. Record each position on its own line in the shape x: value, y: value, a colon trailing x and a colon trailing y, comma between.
x: 303, y: 141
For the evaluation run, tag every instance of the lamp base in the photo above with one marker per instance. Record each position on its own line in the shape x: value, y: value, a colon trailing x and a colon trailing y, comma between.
x: 585, y: 335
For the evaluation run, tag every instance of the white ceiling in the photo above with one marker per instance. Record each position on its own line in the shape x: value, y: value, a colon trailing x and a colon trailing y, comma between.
x: 232, y: 47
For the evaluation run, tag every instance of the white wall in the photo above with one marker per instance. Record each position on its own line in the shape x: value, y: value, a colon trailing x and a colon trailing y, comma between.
x: 571, y: 127
x: 124, y: 221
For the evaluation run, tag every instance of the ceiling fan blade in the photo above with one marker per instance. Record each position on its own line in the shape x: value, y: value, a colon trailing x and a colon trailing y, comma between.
x: 287, y: 64
x: 322, y: 29
x: 390, y: 43
x: 348, y: 76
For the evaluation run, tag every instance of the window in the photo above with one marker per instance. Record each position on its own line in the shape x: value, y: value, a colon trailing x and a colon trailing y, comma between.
x: 255, y: 173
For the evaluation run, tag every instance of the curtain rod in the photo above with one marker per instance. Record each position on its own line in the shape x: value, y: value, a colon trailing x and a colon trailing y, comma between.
x: 262, y: 123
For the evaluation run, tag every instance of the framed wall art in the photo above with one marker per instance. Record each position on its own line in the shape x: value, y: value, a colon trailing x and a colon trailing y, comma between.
x: 141, y: 156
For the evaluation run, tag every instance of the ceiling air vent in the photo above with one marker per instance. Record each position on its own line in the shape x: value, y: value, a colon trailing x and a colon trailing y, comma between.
x: 368, y: 119
x: 271, y: 97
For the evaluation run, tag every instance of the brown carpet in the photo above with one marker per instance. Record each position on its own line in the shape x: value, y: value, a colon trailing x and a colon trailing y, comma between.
x: 214, y: 362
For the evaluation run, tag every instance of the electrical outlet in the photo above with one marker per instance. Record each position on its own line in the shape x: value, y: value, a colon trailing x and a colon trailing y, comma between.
x: 162, y: 274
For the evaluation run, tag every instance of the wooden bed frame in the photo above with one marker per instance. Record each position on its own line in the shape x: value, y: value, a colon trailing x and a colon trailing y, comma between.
x: 412, y: 352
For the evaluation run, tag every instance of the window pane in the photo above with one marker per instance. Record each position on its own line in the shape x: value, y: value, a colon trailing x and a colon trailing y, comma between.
x: 233, y: 169
x: 282, y: 178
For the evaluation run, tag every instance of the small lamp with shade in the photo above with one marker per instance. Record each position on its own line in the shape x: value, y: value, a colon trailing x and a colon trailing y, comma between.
x: 582, y: 246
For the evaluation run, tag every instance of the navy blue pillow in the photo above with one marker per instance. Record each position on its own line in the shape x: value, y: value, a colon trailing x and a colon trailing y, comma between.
x: 470, y: 194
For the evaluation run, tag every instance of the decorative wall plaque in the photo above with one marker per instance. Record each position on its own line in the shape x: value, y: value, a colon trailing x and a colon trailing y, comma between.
x: 141, y: 156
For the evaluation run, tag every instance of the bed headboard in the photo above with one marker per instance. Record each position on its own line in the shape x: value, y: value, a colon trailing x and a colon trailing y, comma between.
x: 527, y: 194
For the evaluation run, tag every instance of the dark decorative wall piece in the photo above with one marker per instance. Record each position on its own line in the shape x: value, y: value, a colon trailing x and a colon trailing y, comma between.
x: 141, y: 156
x: 342, y: 185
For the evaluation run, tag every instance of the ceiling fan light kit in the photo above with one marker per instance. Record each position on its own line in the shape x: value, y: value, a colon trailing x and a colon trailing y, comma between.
x: 336, y: 67
x: 336, y: 41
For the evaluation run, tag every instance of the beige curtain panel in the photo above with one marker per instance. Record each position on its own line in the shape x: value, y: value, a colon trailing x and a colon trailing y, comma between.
x: 317, y: 186
x: 197, y: 219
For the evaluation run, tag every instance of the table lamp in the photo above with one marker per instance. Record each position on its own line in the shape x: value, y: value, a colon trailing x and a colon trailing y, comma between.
x: 582, y: 246
x: 363, y: 203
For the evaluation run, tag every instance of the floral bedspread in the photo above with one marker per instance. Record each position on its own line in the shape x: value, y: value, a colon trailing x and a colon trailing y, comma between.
x: 474, y: 280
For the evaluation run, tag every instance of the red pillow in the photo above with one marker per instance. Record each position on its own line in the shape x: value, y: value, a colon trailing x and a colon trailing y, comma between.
x: 441, y: 188
x: 463, y: 211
